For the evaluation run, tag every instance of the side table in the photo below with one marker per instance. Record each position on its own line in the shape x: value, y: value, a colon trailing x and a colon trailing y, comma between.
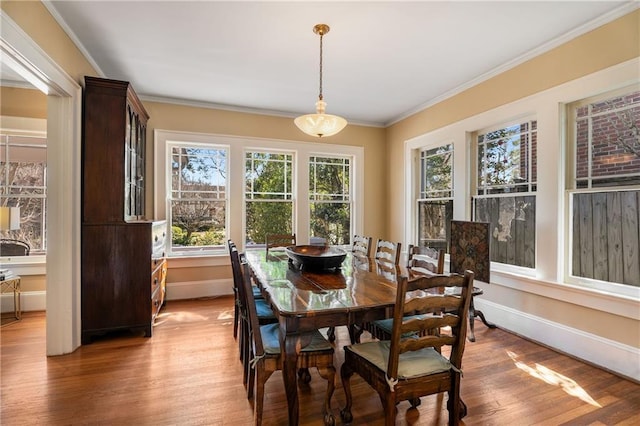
x: 11, y: 282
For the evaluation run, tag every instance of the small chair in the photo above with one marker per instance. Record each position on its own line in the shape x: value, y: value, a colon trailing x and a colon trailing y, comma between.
x: 405, y: 368
x: 422, y: 260
x: 9, y: 247
x: 266, y: 357
x: 361, y: 246
x: 426, y: 258
x: 264, y: 313
x: 280, y: 241
x: 388, y: 251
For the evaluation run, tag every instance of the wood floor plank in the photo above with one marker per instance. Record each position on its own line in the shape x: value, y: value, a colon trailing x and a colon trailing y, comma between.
x: 189, y: 373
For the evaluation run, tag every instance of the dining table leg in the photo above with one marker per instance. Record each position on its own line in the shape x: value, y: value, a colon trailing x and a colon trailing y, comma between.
x: 290, y: 378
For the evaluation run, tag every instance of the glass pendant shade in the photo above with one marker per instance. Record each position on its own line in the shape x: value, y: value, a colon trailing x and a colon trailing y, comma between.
x: 320, y: 124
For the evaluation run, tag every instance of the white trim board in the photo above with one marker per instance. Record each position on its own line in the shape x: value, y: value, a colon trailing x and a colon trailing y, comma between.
x: 197, y: 289
x: 29, y: 301
x: 608, y: 354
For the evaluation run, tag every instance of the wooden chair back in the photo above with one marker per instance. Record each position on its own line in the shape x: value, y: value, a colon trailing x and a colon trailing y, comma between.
x: 421, y: 258
x: 249, y: 305
x: 388, y: 251
x: 448, y: 298
x: 280, y: 241
x: 361, y: 246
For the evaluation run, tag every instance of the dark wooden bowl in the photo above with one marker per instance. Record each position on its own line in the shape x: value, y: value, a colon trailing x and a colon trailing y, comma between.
x: 316, y: 257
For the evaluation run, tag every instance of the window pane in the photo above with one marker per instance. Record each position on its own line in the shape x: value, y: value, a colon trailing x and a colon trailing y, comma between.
x: 267, y: 217
x: 512, y: 227
x: 434, y: 223
x: 607, y: 142
x: 331, y: 221
x: 329, y: 179
x: 437, y: 172
x: 198, y: 198
x: 198, y: 173
x: 507, y: 159
x: 197, y: 223
x: 23, y: 177
x: 604, y: 249
x: 269, y: 176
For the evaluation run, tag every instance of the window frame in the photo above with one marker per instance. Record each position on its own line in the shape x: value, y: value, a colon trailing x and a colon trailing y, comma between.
x: 238, y: 145
x: 423, y: 193
x: 572, y: 189
x: 195, y: 250
x: 35, y: 263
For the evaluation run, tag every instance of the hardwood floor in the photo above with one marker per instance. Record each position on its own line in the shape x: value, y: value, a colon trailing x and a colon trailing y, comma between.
x: 189, y: 373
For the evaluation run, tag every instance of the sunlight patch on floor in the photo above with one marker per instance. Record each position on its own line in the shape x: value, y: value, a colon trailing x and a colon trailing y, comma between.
x: 225, y: 315
x: 182, y: 316
x: 553, y: 378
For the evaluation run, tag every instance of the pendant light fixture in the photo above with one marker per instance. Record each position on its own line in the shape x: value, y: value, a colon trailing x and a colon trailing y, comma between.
x: 320, y: 124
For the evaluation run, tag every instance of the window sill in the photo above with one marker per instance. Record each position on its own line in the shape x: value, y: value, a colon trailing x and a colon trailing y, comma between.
x: 198, y: 261
x: 25, y: 265
x: 625, y: 305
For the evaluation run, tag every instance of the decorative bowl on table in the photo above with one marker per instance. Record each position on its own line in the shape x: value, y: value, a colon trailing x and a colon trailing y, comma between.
x: 315, y: 257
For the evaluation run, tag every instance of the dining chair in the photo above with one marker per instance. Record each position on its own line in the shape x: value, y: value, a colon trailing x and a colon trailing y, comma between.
x: 407, y: 367
x: 388, y: 251
x: 264, y: 313
x: 279, y: 241
x: 256, y: 292
x: 427, y: 258
x: 266, y: 357
x: 422, y: 260
x: 361, y: 249
x: 361, y: 246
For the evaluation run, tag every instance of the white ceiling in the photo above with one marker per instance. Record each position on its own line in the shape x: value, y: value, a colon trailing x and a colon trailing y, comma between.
x: 382, y: 60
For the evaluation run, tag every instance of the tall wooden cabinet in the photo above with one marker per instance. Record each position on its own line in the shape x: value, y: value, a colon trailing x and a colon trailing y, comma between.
x: 123, y: 258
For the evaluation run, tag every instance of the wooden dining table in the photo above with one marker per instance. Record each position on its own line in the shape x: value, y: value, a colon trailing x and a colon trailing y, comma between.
x: 360, y: 290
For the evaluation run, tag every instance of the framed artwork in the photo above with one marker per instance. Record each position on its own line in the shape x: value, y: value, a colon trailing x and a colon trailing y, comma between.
x: 470, y: 249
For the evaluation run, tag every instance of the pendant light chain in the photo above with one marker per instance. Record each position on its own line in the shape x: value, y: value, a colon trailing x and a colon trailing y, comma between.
x: 321, y: 35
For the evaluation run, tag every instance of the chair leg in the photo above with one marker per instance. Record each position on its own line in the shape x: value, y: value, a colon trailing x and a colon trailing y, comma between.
x: 345, y: 375
x: 331, y: 334
x: 236, y: 319
x: 454, y: 404
x: 261, y: 378
x: 390, y: 409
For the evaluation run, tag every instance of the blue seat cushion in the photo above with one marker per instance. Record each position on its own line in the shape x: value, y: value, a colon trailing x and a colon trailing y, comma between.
x: 271, y: 340
x: 257, y: 294
x: 264, y: 310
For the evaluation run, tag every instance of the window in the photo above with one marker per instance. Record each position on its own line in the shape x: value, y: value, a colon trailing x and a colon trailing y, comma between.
x: 505, y: 191
x: 23, y: 182
x: 435, y: 203
x: 604, y: 199
x: 244, y: 188
x: 268, y: 195
x: 198, y: 200
x: 330, y: 200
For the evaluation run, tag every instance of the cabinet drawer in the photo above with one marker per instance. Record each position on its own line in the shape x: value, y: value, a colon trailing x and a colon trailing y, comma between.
x: 159, y: 274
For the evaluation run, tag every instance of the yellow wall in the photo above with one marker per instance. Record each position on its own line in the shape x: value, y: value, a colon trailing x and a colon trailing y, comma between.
x: 609, y: 45
x: 15, y: 102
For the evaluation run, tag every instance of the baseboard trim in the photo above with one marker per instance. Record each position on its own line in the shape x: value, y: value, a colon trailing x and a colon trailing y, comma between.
x: 605, y: 353
x: 29, y: 301
x: 197, y: 289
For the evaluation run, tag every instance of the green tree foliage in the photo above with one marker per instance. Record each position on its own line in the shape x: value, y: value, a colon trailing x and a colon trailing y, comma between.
x: 269, y: 193
x: 330, y: 207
